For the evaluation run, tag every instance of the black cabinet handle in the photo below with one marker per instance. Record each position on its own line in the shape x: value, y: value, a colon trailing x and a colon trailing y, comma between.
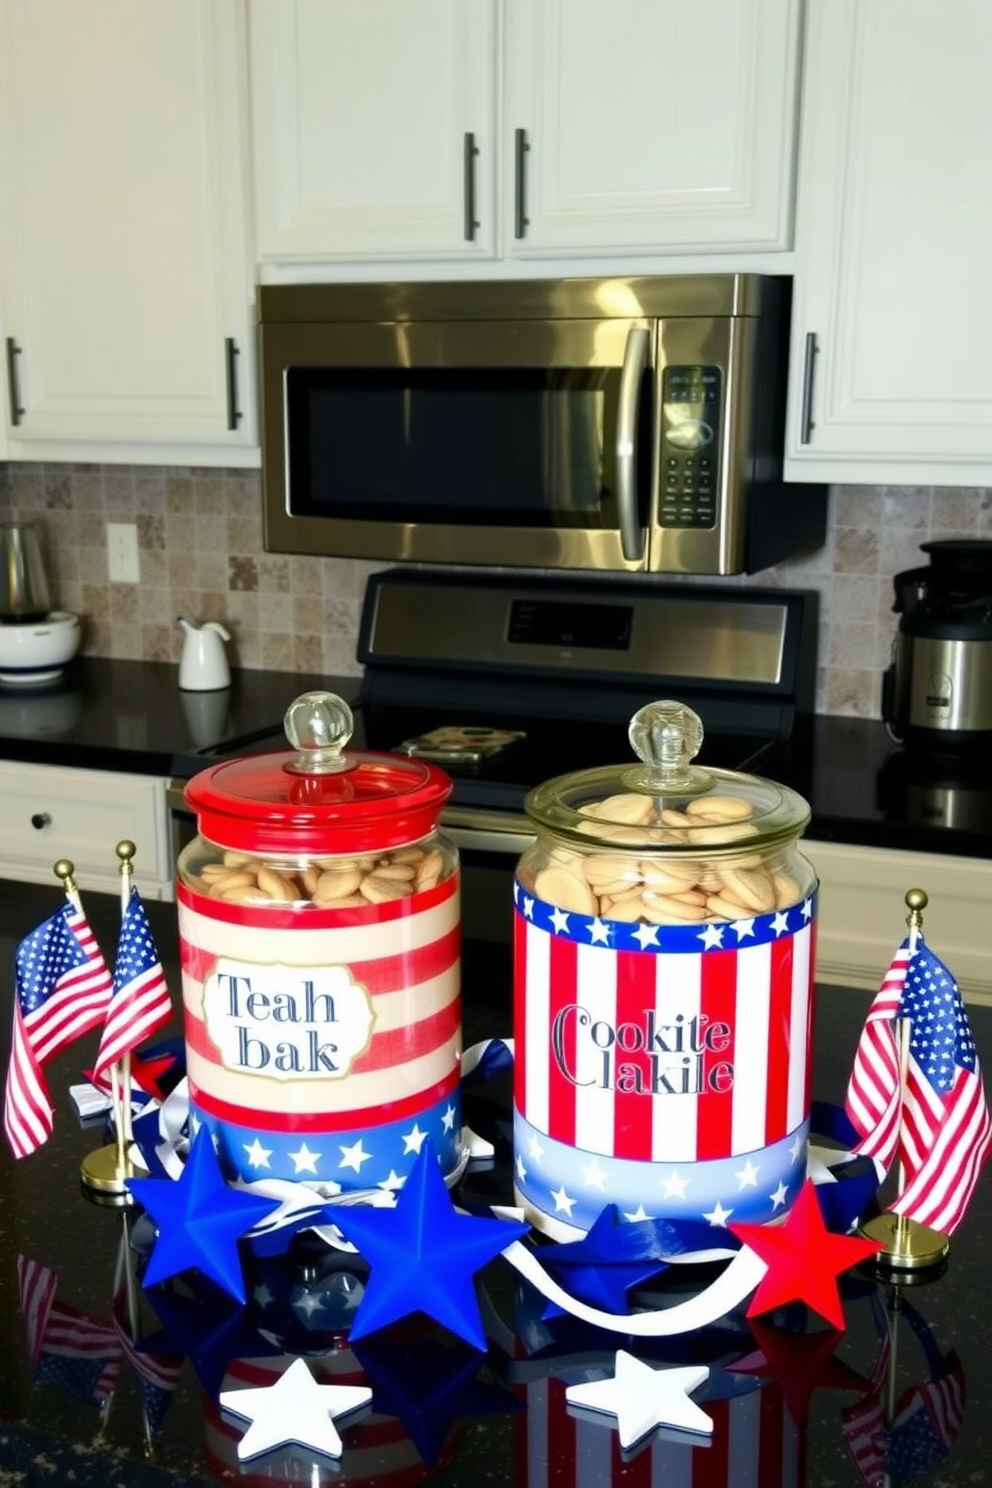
x: 521, y: 221
x: 806, y: 418
x: 471, y: 222
x: 231, y: 354
x: 41, y: 819
x: 16, y: 410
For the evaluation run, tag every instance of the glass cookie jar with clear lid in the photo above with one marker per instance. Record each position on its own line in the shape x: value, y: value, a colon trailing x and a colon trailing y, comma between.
x: 663, y: 980
x: 319, y: 927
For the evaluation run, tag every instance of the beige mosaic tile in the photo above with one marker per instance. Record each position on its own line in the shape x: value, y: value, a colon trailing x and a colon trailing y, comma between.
x: 200, y: 545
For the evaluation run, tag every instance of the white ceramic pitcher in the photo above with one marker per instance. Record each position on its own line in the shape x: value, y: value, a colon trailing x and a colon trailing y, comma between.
x: 203, y: 666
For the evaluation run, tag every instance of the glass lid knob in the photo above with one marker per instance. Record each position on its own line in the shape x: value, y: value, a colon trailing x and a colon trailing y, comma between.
x: 666, y: 736
x: 319, y: 725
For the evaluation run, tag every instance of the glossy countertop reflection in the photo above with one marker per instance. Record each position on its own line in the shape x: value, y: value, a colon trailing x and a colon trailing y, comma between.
x: 507, y: 1423
x: 106, y: 714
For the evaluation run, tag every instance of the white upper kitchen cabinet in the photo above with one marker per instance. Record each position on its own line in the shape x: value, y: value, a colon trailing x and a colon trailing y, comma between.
x: 641, y: 126
x: 891, y: 372
x: 374, y: 128
x: 509, y: 130
x: 125, y: 269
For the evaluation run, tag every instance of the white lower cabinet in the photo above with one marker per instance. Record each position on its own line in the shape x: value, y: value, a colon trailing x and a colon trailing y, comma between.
x: 862, y: 914
x: 49, y: 812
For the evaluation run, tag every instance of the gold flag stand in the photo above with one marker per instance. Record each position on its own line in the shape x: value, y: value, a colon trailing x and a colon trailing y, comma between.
x: 908, y: 1245
x: 104, y: 1173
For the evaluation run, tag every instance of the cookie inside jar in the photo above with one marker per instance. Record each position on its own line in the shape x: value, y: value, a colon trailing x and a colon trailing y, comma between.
x: 326, y: 882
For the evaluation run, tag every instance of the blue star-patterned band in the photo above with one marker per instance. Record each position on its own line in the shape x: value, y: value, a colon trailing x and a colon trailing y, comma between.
x: 620, y: 935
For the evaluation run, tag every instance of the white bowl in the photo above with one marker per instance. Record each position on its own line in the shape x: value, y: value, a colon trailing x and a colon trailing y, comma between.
x: 37, y: 652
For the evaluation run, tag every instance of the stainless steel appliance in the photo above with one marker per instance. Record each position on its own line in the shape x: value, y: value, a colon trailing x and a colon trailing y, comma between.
x: 507, y: 681
x: 937, y: 693
x: 623, y: 425
x: 24, y: 593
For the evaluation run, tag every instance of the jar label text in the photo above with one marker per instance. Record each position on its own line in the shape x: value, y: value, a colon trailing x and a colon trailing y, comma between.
x: 286, y: 1022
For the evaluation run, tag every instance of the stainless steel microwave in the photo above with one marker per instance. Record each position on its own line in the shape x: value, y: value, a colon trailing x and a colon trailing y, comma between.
x: 621, y: 425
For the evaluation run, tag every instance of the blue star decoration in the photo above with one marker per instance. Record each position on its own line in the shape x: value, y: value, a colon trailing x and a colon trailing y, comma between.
x: 616, y: 1255
x: 199, y: 1220
x: 429, y: 1384
x: 207, y: 1329
x: 424, y: 1255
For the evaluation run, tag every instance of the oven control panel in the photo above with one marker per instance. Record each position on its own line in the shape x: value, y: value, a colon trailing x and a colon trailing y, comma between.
x: 690, y: 416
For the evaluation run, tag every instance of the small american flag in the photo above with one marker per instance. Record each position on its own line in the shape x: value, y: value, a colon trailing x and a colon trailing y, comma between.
x: 140, y: 1003
x: 69, y: 1350
x: 157, y: 1373
x: 940, y: 1122
x: 63, y: 988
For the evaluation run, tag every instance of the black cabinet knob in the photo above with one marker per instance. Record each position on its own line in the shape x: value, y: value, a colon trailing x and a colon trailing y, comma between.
x: 41, y: 819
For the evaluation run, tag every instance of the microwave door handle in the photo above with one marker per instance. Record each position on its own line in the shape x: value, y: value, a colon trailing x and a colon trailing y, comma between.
x: 635, y: 359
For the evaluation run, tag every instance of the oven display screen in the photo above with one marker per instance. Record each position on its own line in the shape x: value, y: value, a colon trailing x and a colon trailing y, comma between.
x: 541, y: 622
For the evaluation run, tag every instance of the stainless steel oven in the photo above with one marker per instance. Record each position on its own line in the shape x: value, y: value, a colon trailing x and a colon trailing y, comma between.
x: 617, y: 425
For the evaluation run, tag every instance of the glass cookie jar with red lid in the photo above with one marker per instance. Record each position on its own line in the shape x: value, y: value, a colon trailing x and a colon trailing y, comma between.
x: 663, y: 989
x: 319, y: 926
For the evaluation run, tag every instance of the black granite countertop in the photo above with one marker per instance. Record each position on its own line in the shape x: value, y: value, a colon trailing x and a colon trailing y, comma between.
x: 105, y: 714
x: 128, y: 715
x: 506, y: 1424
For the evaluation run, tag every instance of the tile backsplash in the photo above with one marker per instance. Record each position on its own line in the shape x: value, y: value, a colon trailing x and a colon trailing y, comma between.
x: 200, y: 544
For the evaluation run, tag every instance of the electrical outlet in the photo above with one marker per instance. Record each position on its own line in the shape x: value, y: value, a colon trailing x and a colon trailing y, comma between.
x: 123, y: 565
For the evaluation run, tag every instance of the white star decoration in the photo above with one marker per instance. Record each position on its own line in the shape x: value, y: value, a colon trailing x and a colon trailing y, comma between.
x: 674, y: 1185
x: 354, y: 1156
x: 293, y: 1411
x: 392, y: 1182
x: 258, y: 1156
x: 642, y: 1398
x: 718, y: 1215
x: 559, y: 921
x: 780, y: 923
x: 778, y: 1197
x: 564, y: 1203
x: 712, y: 937
x: 594, y: 1176
x: 448, y: 1119
x: 305, y: 1161
x: 646, y: 935
x: 599, y: 932
x: 413, y: 1140
x: 747, y: 1176
x: 743, y: 928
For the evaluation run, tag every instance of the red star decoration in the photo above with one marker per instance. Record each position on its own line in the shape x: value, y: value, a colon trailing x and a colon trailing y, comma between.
x: 799, y: 1363
x: 804, y: 1259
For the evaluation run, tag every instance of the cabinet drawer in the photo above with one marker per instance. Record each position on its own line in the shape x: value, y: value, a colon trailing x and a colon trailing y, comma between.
x: 50, y: 812
x: 862, y: 913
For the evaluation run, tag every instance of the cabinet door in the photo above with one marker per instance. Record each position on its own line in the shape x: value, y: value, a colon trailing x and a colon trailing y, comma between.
x: 893, y: 295
x: 373, y: 127
x: 124, y: 270
x: 649, y: 127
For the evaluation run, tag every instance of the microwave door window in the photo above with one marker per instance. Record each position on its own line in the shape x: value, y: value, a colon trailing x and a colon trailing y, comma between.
x: 497, y: 447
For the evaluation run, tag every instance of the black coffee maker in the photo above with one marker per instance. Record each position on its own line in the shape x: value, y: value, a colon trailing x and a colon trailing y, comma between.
x: 937, y: 692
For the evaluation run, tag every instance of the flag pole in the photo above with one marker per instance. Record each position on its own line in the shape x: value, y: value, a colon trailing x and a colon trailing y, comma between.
x: 908, y: 1245
x: 121, y: 1070
x: 103, y: 1173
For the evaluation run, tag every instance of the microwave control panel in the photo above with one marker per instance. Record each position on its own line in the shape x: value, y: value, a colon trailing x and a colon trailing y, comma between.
x: 690, y: 457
